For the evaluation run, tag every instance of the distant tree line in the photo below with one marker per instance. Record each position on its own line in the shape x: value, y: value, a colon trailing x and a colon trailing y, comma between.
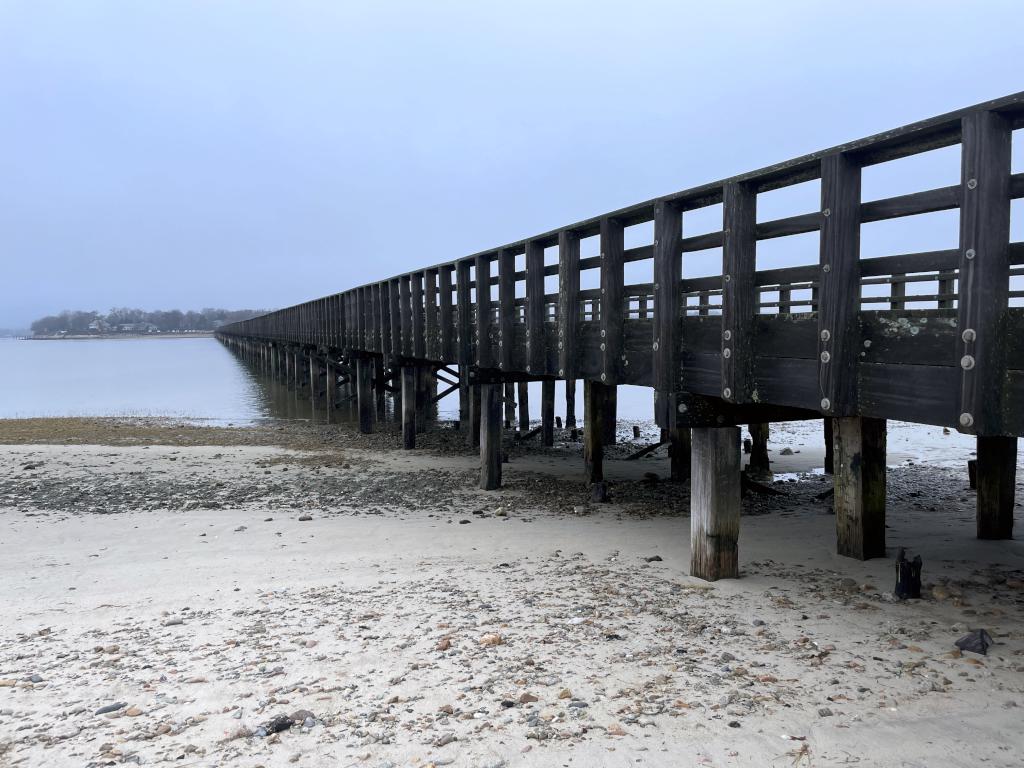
x: 128, y: 320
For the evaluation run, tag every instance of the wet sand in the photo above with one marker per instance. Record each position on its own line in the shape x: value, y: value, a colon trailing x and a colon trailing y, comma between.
x: 202, y: 581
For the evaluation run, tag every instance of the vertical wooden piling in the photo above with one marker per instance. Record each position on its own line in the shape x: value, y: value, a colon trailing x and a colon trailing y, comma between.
x: 570, y: 403
x: 610, y: 420
x: 996, y: 478
x: 490, y: 436
x: 758, y: 448
x: 331, y: 399
x: 715, y: 503
x: 523, y: 400
x: 380, y: 387
x: 510, y: 403
x: 859, y: 481
x: 474, y: 415
x: 547, y: 413
x: 595, y: 406
x: 408, y: 406
x: 829, y: 448
x: 679, y: 453
x: 364, y: 394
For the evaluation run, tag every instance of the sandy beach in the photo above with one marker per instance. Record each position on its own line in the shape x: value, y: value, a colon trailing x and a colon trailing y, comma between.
x: 171, y: 591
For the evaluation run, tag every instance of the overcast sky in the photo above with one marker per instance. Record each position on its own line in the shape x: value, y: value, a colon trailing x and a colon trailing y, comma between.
x: 195, y: 153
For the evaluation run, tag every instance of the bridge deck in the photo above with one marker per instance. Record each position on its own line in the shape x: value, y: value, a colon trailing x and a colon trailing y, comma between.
x: 934, y: 337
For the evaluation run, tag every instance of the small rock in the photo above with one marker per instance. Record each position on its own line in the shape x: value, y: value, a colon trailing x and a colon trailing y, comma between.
x: 305, y: 518
x: 491, y: 639
x: 174, y: 621
x: 527, y: 698
x: 653, y: 559
x: 111, y: 708
x: 824, y: 712
x: 444, y: 739
x: 133, y: 712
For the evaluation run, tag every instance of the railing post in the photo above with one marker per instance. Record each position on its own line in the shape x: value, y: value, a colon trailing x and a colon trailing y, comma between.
x: 463, y: 307
x: 739, y: 295
x: 568, y: 302
x: 535, y: 357
x: 612, y: 279
x: 506, y: 307
x: 419, y: 333
x: 444, y: 277
x: 839, y: 293
x: 484, y: 359
x: 984, y: 270
x: 668, y: 233
x: 430, y: 311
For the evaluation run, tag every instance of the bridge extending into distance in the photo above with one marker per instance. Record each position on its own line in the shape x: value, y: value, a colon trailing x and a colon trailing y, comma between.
x: 934, y: 337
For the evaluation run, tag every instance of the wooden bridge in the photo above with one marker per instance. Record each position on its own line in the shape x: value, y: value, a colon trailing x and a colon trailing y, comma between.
x: 943, y: 344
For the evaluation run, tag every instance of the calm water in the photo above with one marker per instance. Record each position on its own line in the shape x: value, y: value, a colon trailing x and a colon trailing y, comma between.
x: 183, y: 378
x: 188, y: 378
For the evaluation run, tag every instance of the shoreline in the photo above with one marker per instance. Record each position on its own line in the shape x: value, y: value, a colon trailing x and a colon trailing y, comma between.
x: 204, y: 580
x: 91, y: 336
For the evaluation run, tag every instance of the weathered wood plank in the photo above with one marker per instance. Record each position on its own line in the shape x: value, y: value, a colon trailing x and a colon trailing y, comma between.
x: 447, y: 326
x: 409, y: 383
x: 464, y: 307
x: 430, y: 327
x: 839, y: 294
x: 419, y: 332
x: 714, y: 503
x: 547, y: 412
x: 984, y: 270
x: 612, y: 239
x: 490, y: 436
x: 668, y: 232
x: 859, y: 482
x: 535, y: 353
x: 506, y: 307
x: 997, y: 474
x: 595, y: 396
x: 484, y: 356
x: 739, y: 294
x: 568, y: 301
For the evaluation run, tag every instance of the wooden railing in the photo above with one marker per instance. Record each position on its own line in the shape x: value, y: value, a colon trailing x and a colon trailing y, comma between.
x: 815, y: 336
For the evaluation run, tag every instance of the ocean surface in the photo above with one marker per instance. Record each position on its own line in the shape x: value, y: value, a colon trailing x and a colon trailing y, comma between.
x: 189, y: 378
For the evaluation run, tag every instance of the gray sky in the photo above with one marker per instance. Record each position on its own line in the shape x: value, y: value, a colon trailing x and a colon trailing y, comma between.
x: 212, y: 153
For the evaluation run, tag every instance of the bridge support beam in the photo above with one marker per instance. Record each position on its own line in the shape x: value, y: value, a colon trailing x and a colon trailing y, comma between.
x: 997, y: 474
x: 611, y: 415
x: 570, y: 403
x: 426, y: 390
x: 364, y: 394
x: 464, y: 397
x: 409, y: 406
x: 510, y: 404
x: 547, y: 413
x: 523, y: 399
x: 490, y: 436
x: 679, y: 450
x: 331, y: 391
x: 715, y: 503
x: 379, y: 387
x: 314, y: 382
x: 595, y: 408
x: 830, y: 453
x: 759, y: 448
x: 859, y: 482
x: 473, y: 436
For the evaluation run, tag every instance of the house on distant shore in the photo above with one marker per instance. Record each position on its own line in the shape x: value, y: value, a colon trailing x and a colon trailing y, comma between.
x: 137, y: 328
x: 99, y: 325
